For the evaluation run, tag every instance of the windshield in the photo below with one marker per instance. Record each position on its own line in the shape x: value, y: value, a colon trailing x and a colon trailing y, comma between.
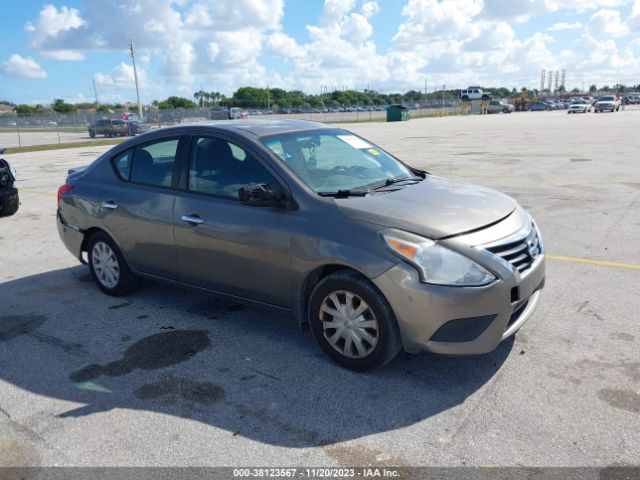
x: 606, y: 99
x: 335, y: 160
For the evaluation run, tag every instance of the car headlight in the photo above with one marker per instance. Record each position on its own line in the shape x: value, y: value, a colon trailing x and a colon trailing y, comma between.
x: 436, y: 264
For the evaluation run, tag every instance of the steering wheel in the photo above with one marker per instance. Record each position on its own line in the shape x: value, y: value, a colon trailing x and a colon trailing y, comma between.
x: 340, y: 169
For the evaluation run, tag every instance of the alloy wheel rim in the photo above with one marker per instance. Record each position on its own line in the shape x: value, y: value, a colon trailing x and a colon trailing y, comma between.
x: 105, y: 264
x: 349, y: 324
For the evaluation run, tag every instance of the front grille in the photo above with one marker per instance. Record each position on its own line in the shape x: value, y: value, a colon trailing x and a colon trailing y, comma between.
x: 520, y: 253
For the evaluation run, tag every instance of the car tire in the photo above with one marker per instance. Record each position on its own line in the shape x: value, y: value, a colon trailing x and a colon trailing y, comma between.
x: 364, y: 344
x: 108, y: 267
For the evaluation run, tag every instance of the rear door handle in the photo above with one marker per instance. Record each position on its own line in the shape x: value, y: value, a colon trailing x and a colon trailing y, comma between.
x: 192, y: 219
x: 110, y: 204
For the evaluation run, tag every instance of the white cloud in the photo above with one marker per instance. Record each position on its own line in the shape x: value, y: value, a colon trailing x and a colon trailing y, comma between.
x: 607, y: 23
x: 69, y: 55
x: 517, y: 10
x: 369, y: 9
x: 282, y: 44
x: 556, y: 27
x: 189, y: 42
x: 21, y: 67
x: 235, y: 15
x: 634, y: 19
x: 583, y: 5
x: 53, y: 24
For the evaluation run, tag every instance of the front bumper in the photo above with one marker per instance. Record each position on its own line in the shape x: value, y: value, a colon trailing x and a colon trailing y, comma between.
x: 472, y: 320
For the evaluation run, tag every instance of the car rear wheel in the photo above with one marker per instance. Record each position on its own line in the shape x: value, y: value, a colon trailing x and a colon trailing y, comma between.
x: 108, y: 268
x: 352, y: 322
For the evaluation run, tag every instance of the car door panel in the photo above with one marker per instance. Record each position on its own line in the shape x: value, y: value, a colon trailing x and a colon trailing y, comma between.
x: 140, y: 216
x: 235, y: 248
x: 239, y: 250
x: 142, y: 225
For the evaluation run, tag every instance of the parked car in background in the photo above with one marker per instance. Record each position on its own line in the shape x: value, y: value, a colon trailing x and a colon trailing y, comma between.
x: 537, y: 107
x: 109, y: 128
x: 313, y: 220
x: 609, y: 103
x: 496, y: 106
x: 579, y: 106
x: 136, y: 127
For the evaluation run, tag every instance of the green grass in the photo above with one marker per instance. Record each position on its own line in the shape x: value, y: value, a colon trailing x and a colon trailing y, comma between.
x: 60, y: 146
x: 43, y: 129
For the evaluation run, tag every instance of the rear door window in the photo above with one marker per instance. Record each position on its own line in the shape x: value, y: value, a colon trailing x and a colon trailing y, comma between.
x: 153, y: 164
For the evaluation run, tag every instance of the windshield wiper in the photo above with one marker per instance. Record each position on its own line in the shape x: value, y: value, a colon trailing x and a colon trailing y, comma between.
x: 394, y: 180
x: 344, y: 193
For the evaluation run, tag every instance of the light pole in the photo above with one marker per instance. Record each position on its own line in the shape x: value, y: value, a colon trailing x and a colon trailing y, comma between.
x: 135, y: 76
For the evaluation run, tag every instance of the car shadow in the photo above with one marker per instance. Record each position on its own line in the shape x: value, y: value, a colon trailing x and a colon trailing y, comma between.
x: 189, y: 354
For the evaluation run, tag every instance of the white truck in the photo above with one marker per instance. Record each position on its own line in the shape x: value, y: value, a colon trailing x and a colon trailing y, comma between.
x: 474, y: 93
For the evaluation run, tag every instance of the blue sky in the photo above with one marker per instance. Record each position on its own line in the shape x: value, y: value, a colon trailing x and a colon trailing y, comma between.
x: 59, y: 48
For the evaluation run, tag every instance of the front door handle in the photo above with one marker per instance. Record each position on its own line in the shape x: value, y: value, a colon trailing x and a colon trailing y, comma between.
x: 192, y: 219
x: 110, y: 204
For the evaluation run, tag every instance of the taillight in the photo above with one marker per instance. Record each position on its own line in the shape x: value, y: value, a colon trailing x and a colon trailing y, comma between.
x: 67, y: 187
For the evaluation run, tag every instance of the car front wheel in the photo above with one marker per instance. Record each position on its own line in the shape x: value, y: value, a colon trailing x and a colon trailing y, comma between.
x: 108, y: 268
x: 352, y: 322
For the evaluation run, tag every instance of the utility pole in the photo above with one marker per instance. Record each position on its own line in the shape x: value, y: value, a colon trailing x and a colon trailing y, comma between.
x: 135, y: 76
x: 95, y: 92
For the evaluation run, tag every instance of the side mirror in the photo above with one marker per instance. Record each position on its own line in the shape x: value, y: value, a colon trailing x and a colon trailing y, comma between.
x: 259, y: 195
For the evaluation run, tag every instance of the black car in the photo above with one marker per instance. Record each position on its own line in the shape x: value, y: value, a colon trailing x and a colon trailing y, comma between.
x: 9, y: 200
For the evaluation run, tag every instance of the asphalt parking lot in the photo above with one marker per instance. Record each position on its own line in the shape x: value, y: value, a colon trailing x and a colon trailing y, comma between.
x: 167, y: 376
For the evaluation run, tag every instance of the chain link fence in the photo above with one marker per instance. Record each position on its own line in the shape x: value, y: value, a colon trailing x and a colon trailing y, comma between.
x: 52, y: 129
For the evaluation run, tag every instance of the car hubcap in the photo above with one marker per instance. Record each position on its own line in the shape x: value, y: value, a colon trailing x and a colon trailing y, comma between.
x: 348, y: 324
x: 105, y: 265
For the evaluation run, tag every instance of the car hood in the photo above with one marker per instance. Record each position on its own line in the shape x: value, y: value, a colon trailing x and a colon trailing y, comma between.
x: 435, y: 207
x: 605, y: 102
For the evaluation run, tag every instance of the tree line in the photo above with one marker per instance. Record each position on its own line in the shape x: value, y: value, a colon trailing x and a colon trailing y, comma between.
x: 254, y: 97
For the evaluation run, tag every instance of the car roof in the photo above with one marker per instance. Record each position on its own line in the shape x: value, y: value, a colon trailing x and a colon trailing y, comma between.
x: 258, y: 128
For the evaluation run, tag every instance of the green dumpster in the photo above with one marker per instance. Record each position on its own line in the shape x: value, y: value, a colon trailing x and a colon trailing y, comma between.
x: 397, y: 113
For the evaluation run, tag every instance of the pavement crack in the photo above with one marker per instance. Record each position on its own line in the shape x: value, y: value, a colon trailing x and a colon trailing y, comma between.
x: 2, y: 410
